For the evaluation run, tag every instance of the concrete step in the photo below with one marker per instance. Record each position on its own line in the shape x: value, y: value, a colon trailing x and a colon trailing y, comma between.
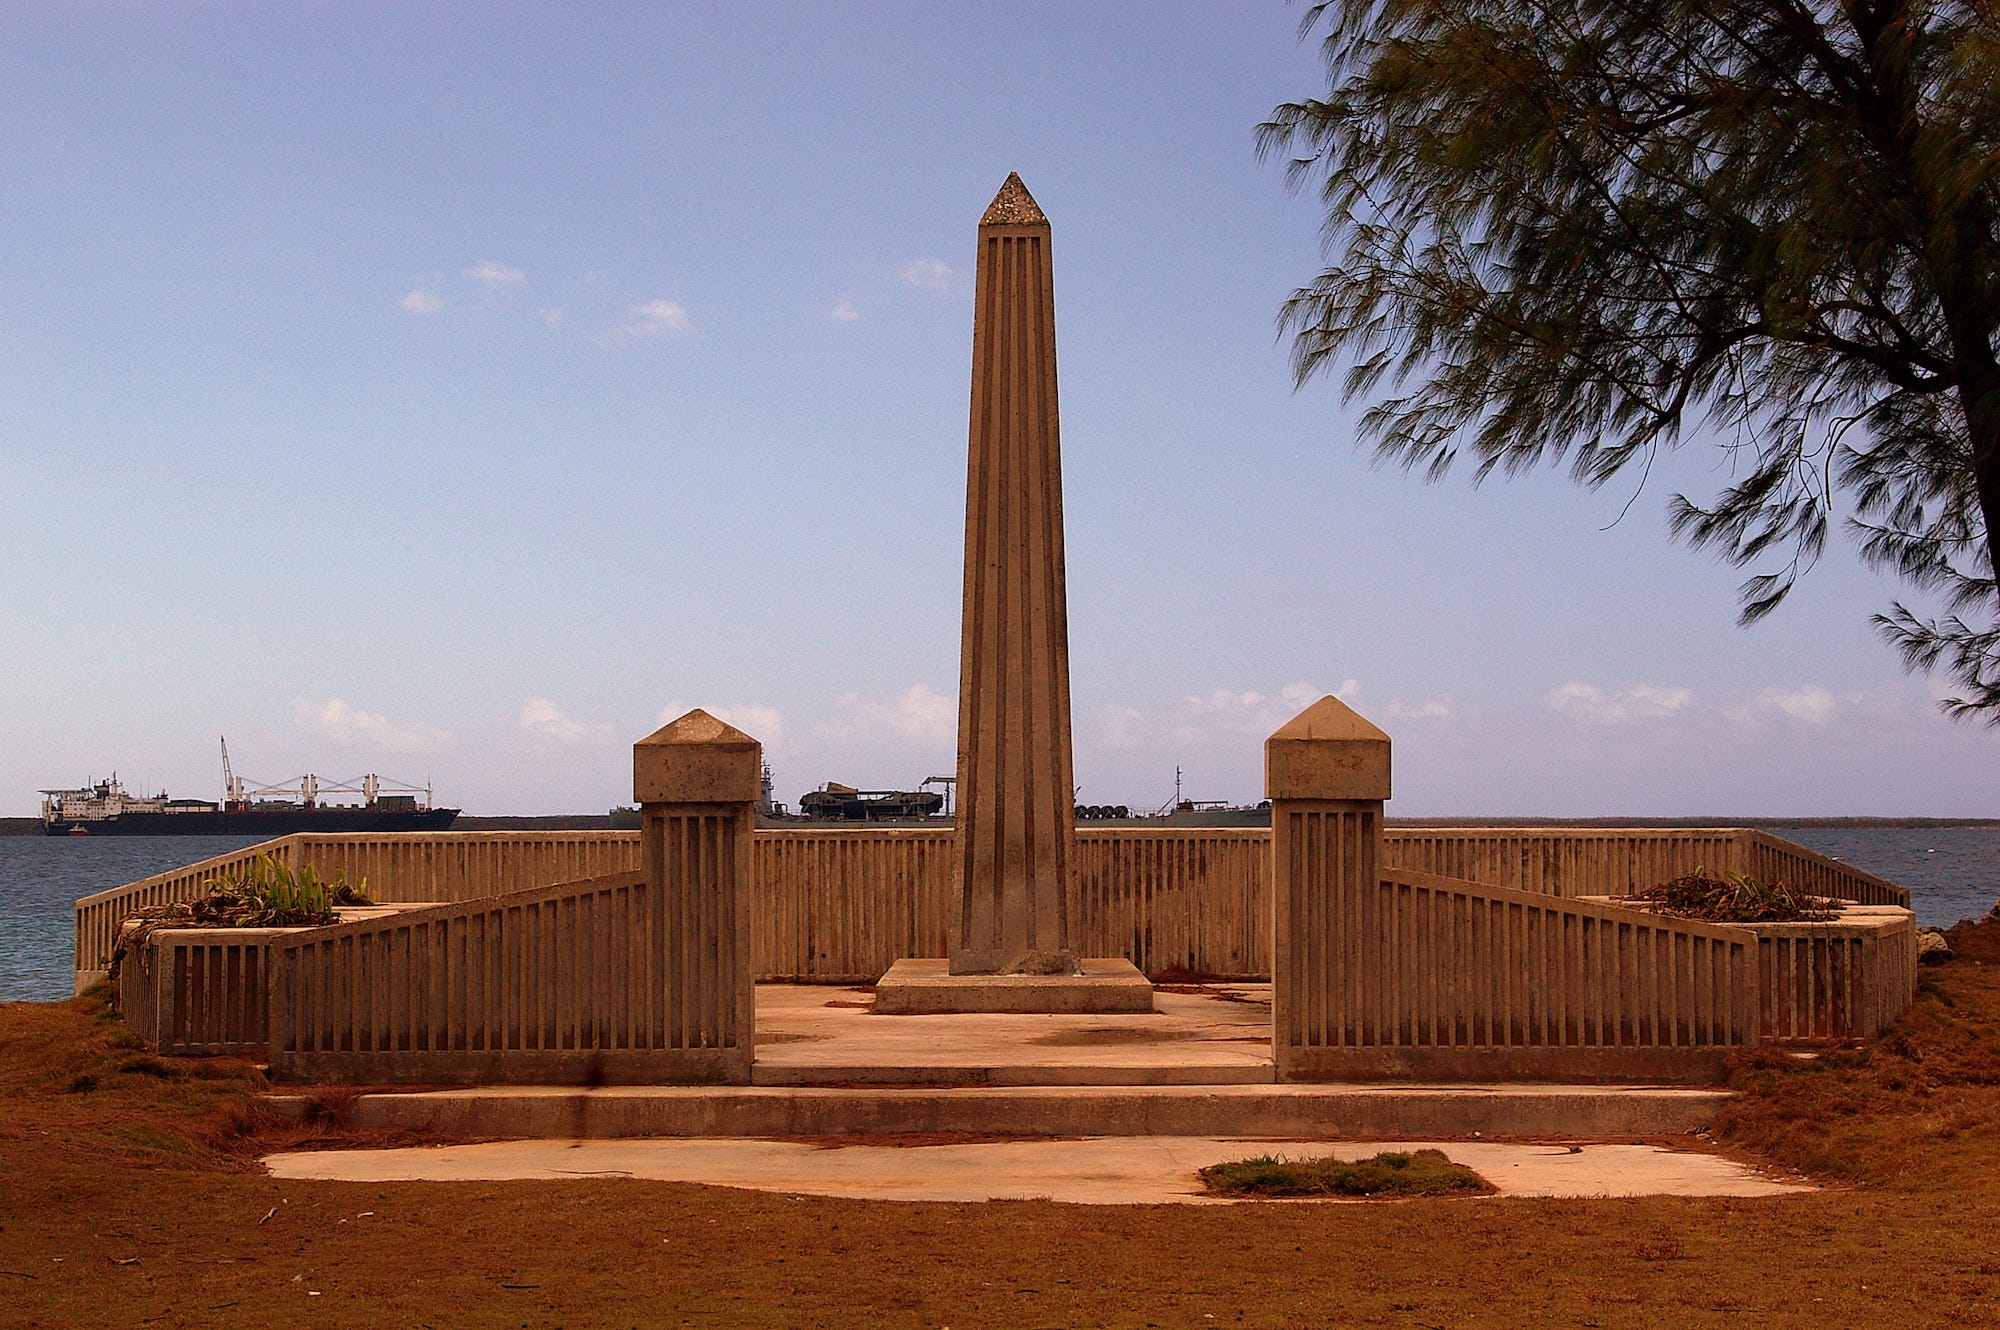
x: 1323, y: 1112
x: 943, y: 1074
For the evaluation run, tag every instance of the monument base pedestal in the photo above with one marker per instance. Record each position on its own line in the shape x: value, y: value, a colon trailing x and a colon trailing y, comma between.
x: 925, y: 986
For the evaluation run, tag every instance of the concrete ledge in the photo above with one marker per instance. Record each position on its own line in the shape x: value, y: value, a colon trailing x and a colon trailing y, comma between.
x: 938, y: 1075
x: 1567, y: 1064
x: 926, y: 987
x: 1291, y: 1111
x: 620, y: 1066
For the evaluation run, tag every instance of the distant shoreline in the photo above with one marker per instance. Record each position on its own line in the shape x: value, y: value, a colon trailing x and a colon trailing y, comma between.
x: 32, y: 826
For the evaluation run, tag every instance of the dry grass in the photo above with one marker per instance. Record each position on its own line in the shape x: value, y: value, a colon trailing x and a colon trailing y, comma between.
x: 133, y: 1202
x: 1917, y: 1110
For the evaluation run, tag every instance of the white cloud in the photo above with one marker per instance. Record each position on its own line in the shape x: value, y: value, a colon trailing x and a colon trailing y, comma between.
x: 552, y: 319
x: 422, y: 301
x: 1809, y: 704
x: 1217, y: 737
x: 928, y: 274
x: 919, y: 713
x: 761, y: 723
x: 494, y: 276
x: 345, y: 724
x: 1255, y: 708
x: 1220, y: 702
x: 1124, y: 727
x: 1226, y: 716
x: 1805, y: 704
x: 1431, y: 708
x: 1813, y: 704
x: 656, y: 318
x: 1299, y: 696
x: 1645, y: 701
x: 844, y: 312
x: 543, y: 719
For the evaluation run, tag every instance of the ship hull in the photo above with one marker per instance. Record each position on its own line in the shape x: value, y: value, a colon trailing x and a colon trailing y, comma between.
x: 257, y: 822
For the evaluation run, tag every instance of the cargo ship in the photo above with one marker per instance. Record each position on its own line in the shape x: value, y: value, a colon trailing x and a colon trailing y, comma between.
x: 105, y: 809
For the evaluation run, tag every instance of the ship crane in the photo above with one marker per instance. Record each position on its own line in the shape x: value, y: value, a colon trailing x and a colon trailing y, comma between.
x: 950, y: 784
x: 232, y: 784
x: 237, y: 793
x: 371, y: 788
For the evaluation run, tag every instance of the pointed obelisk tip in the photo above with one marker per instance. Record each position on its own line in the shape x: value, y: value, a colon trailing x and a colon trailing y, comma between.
x: 1014, y: 206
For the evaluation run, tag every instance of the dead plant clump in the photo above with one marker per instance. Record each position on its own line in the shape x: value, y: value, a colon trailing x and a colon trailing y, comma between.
x: 1734, y: 898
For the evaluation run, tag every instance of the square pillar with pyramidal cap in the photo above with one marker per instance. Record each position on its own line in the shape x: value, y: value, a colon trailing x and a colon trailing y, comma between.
x: 1327, y: 751
x: 696, y: 759
x: 1326, y: 773
x: 696, y: 781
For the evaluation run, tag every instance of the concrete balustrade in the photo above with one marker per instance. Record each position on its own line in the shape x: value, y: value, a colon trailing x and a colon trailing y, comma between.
x: 625, y: 978
x: 1834, y: 979
x: 400, y: 868
x: 551, y: 983
x: 100, y: 915
x: 842, y: 906
x: 1177, y: 901
x: 839, y: 905
x: 1617, y: 861
x: 1485, y: 983
x: 1394, y: 973
x: 1846, y: 978
x: 191, y: 991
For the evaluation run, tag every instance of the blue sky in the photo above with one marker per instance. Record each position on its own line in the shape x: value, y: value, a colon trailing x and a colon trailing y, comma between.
x: 455, y: 391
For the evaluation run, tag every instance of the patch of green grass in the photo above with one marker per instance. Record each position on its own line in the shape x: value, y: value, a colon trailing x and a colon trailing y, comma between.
x: 1391, y: 1173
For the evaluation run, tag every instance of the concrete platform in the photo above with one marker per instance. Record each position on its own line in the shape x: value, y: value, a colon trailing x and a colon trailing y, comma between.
x: 1199, y: 1065
x: 1118, y: 1171
x: 1192, y: 1035
x: 925, y: 986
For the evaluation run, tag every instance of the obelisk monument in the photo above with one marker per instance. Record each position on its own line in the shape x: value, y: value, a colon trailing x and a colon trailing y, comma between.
x: 1012, y: 942
x: 1016, y: 815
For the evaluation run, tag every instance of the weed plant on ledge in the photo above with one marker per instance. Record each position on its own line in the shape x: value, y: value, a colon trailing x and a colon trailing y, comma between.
x: 1734, y: 898
x: 266, y: 894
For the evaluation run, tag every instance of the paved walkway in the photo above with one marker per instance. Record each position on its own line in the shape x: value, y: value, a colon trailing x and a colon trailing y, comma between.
x: 1101, y: 1171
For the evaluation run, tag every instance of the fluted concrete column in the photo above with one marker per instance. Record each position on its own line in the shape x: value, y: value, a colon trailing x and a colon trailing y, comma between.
x: 1016, y: 825
x: 1326, y: 773
x: 696, y: 782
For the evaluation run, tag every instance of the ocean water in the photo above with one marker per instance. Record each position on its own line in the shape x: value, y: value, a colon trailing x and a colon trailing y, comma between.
x: 1952, y: 873
x: 40, y: 880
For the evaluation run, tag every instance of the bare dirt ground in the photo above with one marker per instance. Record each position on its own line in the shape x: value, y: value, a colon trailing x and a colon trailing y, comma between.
x: 129, y: 1196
